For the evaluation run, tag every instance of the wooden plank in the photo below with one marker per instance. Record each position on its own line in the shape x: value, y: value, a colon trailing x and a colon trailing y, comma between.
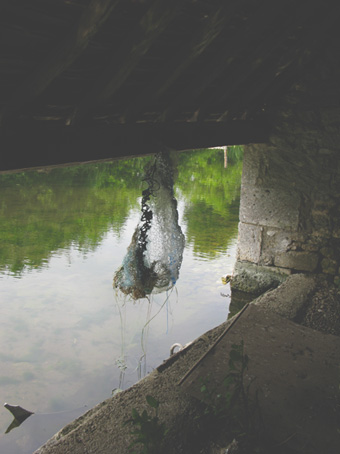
x: 152, y: 25
x: 177, y: 64
x: 238, y: 69
x: 270, y: 84
x: 62, y: 56
x: 3, y: 4
x: 243, y: 71
x: 35, y: 146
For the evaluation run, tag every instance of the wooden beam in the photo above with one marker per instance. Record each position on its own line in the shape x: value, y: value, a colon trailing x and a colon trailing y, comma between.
x: 62, y: 56
x: 36, y: 146
x: 218, y: 64
x: 177, y: 64
x: 3, y: 4
x: 245, y: 69
x: 239, y: 69
x: 152, y: 25
x: 272, y: 83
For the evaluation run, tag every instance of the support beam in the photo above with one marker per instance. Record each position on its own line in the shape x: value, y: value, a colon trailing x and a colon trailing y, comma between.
x: 262, y: 54
x: 33, y: 146
x: 240, y: 69
x: 177, y: 64
x: 152, y: 25
x: 62, y: 56
x: 268, y: 84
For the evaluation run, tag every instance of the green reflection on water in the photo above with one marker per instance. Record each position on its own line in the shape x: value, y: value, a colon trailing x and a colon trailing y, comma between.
x: 41, y: 212
x: 213, y: 193
x: 64, y: 342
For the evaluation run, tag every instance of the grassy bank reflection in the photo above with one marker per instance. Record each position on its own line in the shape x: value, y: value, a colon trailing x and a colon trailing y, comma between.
x: 42, y: 212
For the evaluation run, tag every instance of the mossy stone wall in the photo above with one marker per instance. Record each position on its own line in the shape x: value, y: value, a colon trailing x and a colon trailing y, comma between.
x: 290, y: 197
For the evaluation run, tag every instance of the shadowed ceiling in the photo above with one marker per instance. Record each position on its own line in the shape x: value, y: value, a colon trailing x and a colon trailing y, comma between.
x: 91, y: 79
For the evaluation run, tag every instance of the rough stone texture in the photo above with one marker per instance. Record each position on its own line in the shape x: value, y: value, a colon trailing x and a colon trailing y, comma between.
x: 255, y: 279
x: 300, y: 261
x: 269, y: 207
x: 323, y: 311
x: 274, y: 241
x: 250, y: 240
x: 329, y: 266
x: 291, y: 297
x: 292, y: 373
x: 290, y: 198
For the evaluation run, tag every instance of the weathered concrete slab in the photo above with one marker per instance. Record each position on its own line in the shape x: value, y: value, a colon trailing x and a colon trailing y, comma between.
x: 296, y: 373
x: 102, y: 430
x: 291, y: 298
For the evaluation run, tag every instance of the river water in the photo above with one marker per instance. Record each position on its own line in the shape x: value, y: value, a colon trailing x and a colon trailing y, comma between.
x: 68, y: 338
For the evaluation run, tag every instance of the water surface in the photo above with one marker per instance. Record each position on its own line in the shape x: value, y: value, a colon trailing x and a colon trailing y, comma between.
x: 68, y: 338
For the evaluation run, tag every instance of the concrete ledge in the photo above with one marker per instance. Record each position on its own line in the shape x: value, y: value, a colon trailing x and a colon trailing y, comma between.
x: 292, y: 373
x: 290, y: 298
x: 101, y: 430
x: 287, y: 407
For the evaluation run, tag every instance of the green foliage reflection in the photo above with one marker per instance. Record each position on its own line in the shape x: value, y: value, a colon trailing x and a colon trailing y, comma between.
x: 41, y: 212
x: 212, y: 193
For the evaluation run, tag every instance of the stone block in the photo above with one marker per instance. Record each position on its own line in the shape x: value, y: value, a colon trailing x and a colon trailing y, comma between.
x: 250, y: 238
x: 322, y: 223
x: 290, y: 298
x: 253, y: 160
x: 329, y: 266
x: 330, y: 116
x: 323, y: 203
x: 313, y: 244
x: 296, y: 260
x: 270, y: 207
x: 253, y: 279
x: 273, y: 241
x: 336, y: 225
x: 326, y: 151
x: 328, y: 252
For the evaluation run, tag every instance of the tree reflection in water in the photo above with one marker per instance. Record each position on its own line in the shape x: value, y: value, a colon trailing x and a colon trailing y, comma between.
x: 154, y: 256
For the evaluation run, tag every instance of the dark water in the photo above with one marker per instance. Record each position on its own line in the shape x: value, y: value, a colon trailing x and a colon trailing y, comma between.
x: 67, y: 337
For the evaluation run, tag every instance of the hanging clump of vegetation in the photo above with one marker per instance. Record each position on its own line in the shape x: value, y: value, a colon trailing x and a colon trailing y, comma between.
x: 154, y: 255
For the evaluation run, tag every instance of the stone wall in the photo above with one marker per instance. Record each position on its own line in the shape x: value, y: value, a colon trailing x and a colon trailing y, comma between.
x: 290, y: 197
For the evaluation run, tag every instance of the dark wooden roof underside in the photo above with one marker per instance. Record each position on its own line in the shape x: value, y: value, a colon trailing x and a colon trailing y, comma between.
x: 130, y: 76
